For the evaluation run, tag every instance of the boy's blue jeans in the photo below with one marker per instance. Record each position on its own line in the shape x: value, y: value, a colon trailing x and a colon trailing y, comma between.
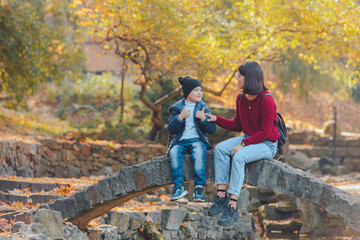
x: 247, y: 154
x: 197, y: 150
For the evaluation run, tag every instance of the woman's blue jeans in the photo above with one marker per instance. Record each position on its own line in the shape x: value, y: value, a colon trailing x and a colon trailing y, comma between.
x: 247, y: 154
x: 197, y: 150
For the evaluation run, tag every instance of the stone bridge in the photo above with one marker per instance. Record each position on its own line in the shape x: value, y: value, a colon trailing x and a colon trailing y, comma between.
x: 95, y: 200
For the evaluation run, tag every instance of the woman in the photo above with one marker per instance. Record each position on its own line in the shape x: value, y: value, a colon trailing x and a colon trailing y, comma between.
x: 259, y: 141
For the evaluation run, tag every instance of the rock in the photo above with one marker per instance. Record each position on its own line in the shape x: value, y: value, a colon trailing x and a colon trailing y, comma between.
x: 312, y: 218
x: 129, y: 234
x: 38, y: 228
x: 286, y: 206
x: 93, y: 234
x: 118, y: 219
x: 254, y: 205
x: 107, y: 170
x: 190, y: 231
x: 52, y: 221
x: 52, y: 144
x: 136, y: 219
x: 211, y: 234
x: 25, y: 216
x: 18, y: 227
x: 229, y: 234
x: 167, y: 234
x: 67, y: 206
x: 299, y: 160
x: 155, y: 216
x: 85, y: 149
x: 191, y: 216
x: 72, y: 232
x: 171, y: 219
x: 60, y: 172
x: 107, y: 232
x: 266, y: 196
x: 335, y: 170
x: 205, y: 222
x: 74, y: 172
x: 253, y: 191
x: 32, y: 236
x: 244, y: 198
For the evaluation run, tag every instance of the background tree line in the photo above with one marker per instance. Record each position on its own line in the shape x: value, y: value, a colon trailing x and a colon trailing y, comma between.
x: 311, y: 45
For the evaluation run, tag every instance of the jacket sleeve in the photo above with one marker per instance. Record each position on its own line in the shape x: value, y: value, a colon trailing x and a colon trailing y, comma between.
x: 174, y: 124
x: 205, y: 126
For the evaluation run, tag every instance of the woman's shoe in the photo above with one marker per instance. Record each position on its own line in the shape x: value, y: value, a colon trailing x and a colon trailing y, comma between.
x: 229, y: 216
x: 219, y: 205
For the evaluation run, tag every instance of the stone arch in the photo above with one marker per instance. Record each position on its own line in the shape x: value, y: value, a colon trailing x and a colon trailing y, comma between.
x: 132, y: 181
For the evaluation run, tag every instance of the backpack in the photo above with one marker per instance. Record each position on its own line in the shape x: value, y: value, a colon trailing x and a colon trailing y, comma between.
x: 281, y: 126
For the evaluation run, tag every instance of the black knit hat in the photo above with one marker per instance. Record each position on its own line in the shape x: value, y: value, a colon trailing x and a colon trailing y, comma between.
x: 188, y: 84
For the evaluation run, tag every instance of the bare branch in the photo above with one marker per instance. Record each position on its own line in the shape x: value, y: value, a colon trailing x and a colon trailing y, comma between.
x: 169, y: 96
x: 143, y: 99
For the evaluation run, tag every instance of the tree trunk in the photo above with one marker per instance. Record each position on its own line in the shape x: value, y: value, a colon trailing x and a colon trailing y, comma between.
x: 153, y: 132
x: 122, y: 104
x: 157, y: 124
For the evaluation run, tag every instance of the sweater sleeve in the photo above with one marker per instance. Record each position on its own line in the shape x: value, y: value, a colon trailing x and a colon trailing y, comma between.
x: 234, y: 124
x: 267, y: 113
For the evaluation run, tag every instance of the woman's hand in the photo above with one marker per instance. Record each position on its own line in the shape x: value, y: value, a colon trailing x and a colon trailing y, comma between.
x: 201, y: 114
x: 212, y: 118
x: 236, y: 149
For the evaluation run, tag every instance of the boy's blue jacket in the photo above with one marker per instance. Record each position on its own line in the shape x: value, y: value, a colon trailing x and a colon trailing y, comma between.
x: 177, y: 127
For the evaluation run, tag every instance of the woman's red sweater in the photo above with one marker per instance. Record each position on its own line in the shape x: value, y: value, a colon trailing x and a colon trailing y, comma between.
x: 252, y: 120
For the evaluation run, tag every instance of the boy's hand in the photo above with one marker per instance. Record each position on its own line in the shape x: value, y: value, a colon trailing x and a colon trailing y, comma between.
x: 201, y: 114
x: 212, y: 118
x: 184, y: 114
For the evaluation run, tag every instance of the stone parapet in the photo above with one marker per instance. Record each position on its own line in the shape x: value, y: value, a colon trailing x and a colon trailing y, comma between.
x: 56, y: 158
x: 20, y: 158
x: 89, y: 159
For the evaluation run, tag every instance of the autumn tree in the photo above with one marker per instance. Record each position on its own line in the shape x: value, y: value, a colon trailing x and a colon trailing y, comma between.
x: 208, y: 39
x: 33, y: 47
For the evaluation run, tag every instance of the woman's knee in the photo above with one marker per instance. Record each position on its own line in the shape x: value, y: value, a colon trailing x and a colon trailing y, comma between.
x: 239, y: 160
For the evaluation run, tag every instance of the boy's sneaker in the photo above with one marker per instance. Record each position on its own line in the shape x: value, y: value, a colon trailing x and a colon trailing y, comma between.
x: 219, y: 205
x: 178, y: 193
x: 229, y: 216
x: 198, y: 195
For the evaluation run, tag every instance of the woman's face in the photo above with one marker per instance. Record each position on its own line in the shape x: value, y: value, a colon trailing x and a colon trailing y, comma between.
x: 241, y: 80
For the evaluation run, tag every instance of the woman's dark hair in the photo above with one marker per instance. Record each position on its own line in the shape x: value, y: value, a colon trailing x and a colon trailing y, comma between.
x: 254, y: 78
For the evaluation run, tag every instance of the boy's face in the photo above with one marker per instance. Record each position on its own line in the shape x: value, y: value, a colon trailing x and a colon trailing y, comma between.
x: 195, y: 95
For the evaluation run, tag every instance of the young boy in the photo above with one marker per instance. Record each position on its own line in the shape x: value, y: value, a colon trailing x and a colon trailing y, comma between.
x: 188, y: 127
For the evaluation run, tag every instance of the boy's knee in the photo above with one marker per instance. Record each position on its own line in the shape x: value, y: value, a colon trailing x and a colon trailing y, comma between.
x: 173, y: 152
